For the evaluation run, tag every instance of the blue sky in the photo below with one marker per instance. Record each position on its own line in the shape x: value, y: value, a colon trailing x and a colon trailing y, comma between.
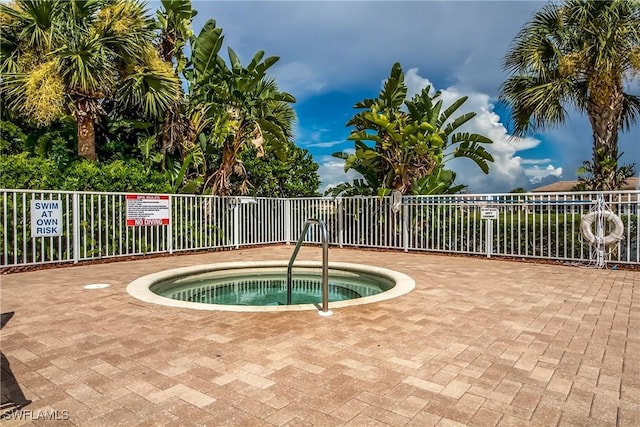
x: 335, y: 53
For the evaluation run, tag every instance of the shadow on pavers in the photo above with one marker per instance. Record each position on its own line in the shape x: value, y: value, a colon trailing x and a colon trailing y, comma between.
x: 13, y: 398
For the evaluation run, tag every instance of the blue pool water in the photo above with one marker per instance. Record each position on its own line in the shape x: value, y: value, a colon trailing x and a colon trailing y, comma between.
x: 256, y: 288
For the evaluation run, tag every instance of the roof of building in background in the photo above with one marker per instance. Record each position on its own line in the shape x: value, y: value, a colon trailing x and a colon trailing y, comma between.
x: 632, y: 183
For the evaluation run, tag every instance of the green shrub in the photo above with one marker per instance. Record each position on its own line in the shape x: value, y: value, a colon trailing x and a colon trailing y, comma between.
x: 116, y: 176
x: 22, y: 171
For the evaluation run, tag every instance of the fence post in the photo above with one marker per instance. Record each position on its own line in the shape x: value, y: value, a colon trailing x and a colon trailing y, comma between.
x: 340, y: 222
x: 287, y: 221
x: 489, y: 236
x: 75, y: 224
x: 170, y: 225
x: 236, y: 224
x: 405, y: 226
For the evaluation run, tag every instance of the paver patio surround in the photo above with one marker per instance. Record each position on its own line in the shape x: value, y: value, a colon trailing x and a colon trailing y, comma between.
x: 478, y: 342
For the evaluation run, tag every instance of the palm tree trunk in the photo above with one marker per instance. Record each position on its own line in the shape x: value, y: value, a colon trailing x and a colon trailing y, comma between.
x: 167, y: 135
x: 86, y: 130
x: 605, y: 121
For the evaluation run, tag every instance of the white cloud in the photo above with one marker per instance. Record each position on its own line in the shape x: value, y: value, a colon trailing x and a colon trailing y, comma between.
x: 332, y: 39
x: 299, y: 79
x: 415, y: 83
x: 536, y: 174
x: 534, y: 161
x: 310, y: 138
x: 323, y: 51
x: 332, y: 173
x: 509, y: 169
x: 327, y: 144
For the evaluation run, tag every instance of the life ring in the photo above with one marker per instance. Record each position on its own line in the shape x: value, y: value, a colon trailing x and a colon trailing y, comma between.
x: 610, y: 239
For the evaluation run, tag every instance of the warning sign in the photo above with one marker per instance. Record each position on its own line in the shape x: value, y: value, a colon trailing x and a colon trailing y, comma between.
x: 489, y: 213
x: 46, y: 218
x: 143, y: 209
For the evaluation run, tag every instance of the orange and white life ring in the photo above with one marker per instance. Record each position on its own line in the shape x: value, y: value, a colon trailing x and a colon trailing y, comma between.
x: 610, y: 239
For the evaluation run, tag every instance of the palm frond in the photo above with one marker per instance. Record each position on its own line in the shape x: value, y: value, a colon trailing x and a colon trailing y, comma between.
x: 124, y: 29
x: 446, y: 114
x: 36, y: 21
x: 86, y: 66
x: 630, y: 110
x: 151, y: 91
x: 205, y: 51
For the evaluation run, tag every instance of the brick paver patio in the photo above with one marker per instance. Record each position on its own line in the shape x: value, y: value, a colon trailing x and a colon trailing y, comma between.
x: 478, y: 342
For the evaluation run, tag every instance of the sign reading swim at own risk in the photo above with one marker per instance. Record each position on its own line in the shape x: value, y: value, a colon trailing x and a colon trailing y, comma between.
x: 46, y: 218
x: 144, y: 209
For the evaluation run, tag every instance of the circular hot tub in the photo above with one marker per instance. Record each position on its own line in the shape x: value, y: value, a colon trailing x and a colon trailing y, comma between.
x: 262, y: 286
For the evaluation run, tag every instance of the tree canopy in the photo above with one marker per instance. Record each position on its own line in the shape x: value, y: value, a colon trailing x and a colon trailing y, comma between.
x: 410, y: 142
x: 71, y: 57
x: 105, y: 81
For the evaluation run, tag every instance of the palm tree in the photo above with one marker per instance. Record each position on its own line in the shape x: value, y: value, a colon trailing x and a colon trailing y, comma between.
x: 578, y: 54
x: 174, y: 21
x: 70, y: 56
x: 412, y: 140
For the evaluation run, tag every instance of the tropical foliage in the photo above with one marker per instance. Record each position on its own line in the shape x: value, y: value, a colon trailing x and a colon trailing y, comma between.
x: 411, y: 140
x: 103, y: 80
x: 246, y: 105
x: 174, y: 22
x: 72, y: 57
x: 296, y: 176
x: 24, y: 171
x: 578, y: 54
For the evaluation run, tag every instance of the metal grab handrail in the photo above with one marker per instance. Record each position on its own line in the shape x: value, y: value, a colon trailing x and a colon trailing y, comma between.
x: 325, y: 264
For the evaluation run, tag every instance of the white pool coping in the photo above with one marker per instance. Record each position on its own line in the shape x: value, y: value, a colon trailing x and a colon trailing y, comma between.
x: 139, y: 288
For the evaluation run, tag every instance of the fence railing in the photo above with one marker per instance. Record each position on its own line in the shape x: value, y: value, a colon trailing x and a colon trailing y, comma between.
x: 533, y: 225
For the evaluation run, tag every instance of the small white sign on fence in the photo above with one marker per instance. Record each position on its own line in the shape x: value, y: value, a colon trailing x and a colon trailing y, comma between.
x: 489, y: 213
x: 46, y: 218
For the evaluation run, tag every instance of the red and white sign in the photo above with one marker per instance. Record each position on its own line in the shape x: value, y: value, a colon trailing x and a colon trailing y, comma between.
x: 143, y: 209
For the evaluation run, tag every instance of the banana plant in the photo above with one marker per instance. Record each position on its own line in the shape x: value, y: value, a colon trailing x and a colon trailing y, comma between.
x: 367, y: 163
x: 424, y: 106
x: 409, y: 139
x: 254, y: 110
x: 440, y: 181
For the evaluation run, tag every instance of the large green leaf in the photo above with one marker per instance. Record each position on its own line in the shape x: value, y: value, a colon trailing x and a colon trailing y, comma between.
x: 440, y: 181
x: 206, y: 47
x: 446, y: 114
x: 475, y: 152
x: 262, y: 67
x: 394, y: 90
x: 364, y: 136
x: 457, y: 122
x: 181, y: 9
x: 276, y: 138
x: 470, y: 137
x: 255, y: 60
x: 236, y: 65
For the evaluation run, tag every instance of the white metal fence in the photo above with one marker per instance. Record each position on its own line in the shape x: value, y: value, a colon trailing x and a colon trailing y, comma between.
x: 529, y: 225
